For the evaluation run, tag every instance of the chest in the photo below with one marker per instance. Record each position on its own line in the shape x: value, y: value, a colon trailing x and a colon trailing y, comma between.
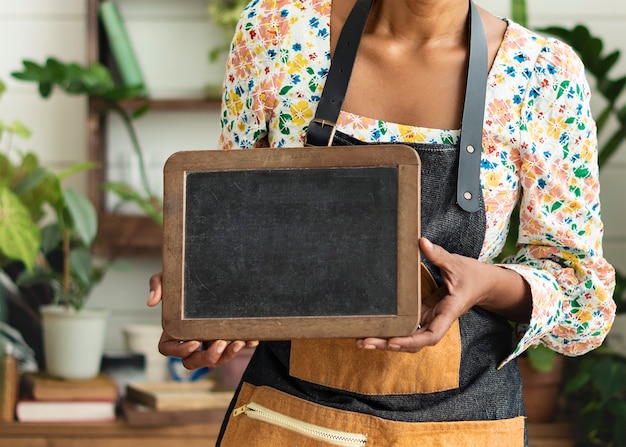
x: 419, y: 87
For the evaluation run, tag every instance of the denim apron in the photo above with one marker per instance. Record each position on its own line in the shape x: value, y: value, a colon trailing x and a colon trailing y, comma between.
x: 321, y: 392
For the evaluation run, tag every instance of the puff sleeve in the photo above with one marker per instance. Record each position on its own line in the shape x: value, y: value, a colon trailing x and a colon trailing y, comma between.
x: 560, y: 234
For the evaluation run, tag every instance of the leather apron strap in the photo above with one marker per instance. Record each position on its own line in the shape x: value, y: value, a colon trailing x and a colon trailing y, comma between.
x: 321, y: 129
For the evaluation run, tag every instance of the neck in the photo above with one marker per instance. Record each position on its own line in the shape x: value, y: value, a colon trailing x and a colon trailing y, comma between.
x: 420, y: 21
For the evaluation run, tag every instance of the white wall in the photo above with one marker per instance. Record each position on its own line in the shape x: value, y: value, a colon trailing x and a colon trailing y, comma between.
x: 172, y: 40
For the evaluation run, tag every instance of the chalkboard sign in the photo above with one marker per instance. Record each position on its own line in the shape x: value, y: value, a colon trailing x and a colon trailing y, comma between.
x: 271, y: 244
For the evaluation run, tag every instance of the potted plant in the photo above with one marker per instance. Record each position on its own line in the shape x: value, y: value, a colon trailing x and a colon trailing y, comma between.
x: 51, y: 250
x: 77, y: 221
x: 73, y: 335
x: 46, y: 238
x: 24, y: 192
x: 96, y: 81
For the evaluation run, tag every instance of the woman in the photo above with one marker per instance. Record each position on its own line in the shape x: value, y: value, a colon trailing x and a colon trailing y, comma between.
x: 446, y: 78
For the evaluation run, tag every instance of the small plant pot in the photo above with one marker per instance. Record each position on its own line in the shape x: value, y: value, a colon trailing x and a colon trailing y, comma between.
x: 73, y: 341
x: 144, y: 339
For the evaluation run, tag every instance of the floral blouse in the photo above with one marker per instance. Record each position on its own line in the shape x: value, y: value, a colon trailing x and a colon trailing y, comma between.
x: 539, y: 149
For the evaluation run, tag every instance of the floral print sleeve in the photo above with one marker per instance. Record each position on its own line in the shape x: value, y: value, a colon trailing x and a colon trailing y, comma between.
x: 277, y: 65
x: 539, y: 149
x: 560, y: 232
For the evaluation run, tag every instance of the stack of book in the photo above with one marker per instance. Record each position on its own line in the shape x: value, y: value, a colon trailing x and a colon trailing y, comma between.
x: 44, y: 398
x: 174, y: 403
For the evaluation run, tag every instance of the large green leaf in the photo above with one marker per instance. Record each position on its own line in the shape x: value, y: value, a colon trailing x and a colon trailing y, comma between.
x: 84, y: 220
x: 19, y: 235
x: 7, y: 171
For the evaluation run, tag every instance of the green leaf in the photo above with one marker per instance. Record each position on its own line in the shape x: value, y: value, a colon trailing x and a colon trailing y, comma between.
x: 19, y: 235
x: 541, y: 358
x: 45, y: 89
x: 18, y: 129
x: 610, y: 147
x: 7, y: 171
x: 606, y: 64
x: 518, y: 12
x: 83, y: 216
x: 51, y: 238
x: 577, y: 382
x: 140, y: 111
x: 78, y: 167
x: 81, y: 264
x: 128, y: 194
x: 31, y: 72
x: 611, y: 88
x: 31, y: 181
x: 608, y: 377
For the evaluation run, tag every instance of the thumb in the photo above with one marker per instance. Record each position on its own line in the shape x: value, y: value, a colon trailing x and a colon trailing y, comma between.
x: 434, y: 253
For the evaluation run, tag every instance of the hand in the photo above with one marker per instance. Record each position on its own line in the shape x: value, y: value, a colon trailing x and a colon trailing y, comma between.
x: 194, y: 353
x: 461, y: 291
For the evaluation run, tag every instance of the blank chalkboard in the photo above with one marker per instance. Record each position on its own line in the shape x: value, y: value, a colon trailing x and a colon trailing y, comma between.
x: 291, y: 243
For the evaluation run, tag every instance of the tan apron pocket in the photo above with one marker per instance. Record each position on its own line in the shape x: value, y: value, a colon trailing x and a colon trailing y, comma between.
x: 339, y: 364
x: 361, y: 429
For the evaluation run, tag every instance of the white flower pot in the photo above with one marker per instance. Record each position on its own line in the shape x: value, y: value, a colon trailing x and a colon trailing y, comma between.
x: 144, y: 339
x: 73, y: 341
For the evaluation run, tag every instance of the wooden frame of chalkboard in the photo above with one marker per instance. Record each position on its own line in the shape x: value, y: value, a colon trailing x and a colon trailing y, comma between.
x: 278, y: 244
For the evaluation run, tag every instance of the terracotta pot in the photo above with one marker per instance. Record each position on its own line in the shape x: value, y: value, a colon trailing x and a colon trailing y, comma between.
x: 541, y: 390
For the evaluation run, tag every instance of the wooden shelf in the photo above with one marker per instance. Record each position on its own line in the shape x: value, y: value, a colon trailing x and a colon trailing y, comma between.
x: 129, y: 235
x: 120, y: 434
x: 162, y: 104
x: 120, y: 234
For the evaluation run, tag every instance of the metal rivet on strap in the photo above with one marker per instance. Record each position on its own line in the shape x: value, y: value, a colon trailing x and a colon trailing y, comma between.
x: 470, y: 149
x: 467, y: 195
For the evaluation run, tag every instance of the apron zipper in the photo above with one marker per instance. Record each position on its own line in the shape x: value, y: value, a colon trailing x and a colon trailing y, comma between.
x: 334, y: 437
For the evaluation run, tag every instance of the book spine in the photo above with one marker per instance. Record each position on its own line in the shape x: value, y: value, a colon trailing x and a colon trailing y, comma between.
x: 121, y: 48
x: 8, y: 384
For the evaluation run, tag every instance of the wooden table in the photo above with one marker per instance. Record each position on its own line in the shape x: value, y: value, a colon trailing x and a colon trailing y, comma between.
x: 120, y: 434
x: 106, y: 434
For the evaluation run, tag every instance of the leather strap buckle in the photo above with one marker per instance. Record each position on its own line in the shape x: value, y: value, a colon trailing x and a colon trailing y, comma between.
x: 320, y: 131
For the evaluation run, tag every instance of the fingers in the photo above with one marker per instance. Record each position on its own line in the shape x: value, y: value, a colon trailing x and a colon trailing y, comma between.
x: 437, y: 318
x: 217, y: 353
x: 154, y: 297
x: 423, y: 337
x: 196, y: 354
x: 434, y: 253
